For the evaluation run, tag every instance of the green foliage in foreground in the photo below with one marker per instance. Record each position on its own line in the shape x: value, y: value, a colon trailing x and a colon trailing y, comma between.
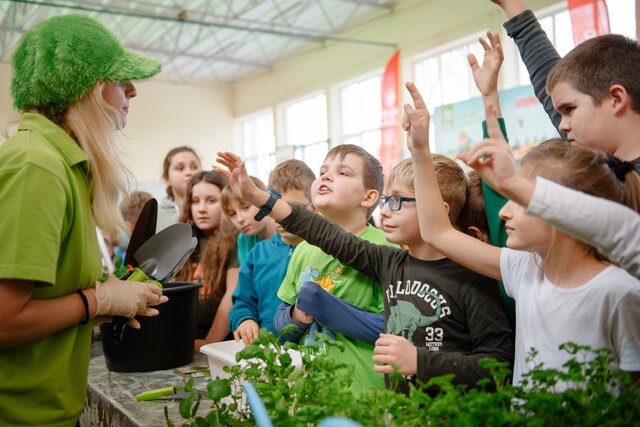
x: 320, y: 389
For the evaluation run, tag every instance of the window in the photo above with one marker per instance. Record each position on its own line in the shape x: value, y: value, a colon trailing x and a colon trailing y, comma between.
x: 361, y: 107
x: 622, y: 17
x: 306, y: 131
x: 259, y: 144
x: 443, y: 76
x: 556, y: 22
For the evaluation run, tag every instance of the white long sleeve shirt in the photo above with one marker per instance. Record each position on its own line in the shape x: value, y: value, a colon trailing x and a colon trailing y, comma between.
x: 611, y: 227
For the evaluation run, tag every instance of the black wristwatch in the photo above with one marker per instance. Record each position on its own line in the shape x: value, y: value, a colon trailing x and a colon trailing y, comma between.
x: 266, y: 208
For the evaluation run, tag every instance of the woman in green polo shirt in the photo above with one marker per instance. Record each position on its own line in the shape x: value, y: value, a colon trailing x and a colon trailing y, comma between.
x: 60, y: 176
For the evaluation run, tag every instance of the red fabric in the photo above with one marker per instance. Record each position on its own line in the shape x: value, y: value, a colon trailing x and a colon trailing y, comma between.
x: 589, y: 18
x: 390, y: 146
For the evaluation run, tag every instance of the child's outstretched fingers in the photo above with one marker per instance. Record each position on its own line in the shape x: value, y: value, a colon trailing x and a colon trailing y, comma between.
x: 228, y: 159
x: 236, y: 173
x: 416, y: 120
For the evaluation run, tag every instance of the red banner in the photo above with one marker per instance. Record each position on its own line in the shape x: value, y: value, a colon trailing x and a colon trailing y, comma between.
x: 390, y: 146
x: 589, y: 18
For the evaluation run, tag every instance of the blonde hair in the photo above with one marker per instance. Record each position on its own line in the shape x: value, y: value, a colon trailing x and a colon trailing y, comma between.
x: 583, y: 169
x: 132, y: 205
x: 451, y: 180
x: 92, y: 123
x: 227, y: 196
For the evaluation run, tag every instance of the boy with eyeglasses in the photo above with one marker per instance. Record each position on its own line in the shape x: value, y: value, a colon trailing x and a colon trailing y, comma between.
x: 440, y: 318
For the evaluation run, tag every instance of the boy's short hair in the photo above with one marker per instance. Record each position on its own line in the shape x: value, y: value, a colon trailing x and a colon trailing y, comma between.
x: 473, y: 212
x: 132, y: 204
x: 451, y: 180
x: 227, y: 196
x: 292, y: 174
x: 372, y: 177
x: 596, y: 64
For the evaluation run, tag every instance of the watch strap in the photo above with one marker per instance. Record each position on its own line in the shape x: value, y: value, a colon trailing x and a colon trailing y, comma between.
x: 274, y: 195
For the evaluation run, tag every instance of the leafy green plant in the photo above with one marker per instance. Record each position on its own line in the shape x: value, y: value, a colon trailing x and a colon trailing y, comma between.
x: 118, y: 271
x: 304, y: 397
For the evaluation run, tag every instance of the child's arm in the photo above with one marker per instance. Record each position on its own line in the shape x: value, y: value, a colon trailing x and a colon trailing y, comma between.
x: 435, y: 227
x: 486, y: 76
x: 537, y: 52
x: 338, y: 315
x: 243, y: 318
x: 486, y: 80
x: 609, y: 226
x: 283, y: 318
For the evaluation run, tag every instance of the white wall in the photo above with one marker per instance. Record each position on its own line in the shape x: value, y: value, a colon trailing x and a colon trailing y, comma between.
x: 162, y: 116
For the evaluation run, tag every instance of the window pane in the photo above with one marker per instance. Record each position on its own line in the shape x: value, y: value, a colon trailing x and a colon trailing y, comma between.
x: 427, y: 73
x: 361, y: 107
x: 622, y: 17
x: 455, y: 76
x: 259, y: 144
x: 312, y: 154
x: 371, y: 142
x: 306, y: 121
x: 563, y: 40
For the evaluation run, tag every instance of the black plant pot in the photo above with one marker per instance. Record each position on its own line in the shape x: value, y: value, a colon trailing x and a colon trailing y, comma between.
x: 162, y: 342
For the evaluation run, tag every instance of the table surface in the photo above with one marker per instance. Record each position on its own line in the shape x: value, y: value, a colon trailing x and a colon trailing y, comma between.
x: 111, y: 396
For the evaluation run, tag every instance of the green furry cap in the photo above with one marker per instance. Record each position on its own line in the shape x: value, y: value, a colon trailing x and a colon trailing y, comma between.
x: 59, y: 60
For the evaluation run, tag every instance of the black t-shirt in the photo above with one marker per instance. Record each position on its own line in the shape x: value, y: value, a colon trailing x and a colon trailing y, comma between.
x: 453, y: 315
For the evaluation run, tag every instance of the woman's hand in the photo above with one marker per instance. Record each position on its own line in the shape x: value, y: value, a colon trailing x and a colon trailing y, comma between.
x: 117, y: 297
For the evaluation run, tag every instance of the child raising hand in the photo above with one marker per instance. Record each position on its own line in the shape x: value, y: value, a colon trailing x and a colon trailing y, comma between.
x: 564, y: 290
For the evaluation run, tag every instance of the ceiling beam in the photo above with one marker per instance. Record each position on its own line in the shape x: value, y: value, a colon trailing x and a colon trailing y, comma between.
x: 315, y: 38
x: 372, y: 3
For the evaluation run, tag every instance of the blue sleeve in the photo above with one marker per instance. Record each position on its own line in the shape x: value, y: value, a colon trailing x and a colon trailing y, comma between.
x: 283, y: 318
x: 338, y: 315
x: 245, y: 297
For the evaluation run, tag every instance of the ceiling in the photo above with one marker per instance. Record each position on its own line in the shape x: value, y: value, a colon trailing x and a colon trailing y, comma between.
x: 213, y: 40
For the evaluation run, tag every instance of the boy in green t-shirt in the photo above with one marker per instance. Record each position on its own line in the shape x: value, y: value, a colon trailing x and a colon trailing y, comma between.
x: 346, y: 192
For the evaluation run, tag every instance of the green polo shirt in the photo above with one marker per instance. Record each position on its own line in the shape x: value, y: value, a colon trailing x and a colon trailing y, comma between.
x: 48, y: 236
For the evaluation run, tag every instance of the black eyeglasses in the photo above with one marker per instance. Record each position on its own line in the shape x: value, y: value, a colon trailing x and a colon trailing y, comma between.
x: 394, y: 202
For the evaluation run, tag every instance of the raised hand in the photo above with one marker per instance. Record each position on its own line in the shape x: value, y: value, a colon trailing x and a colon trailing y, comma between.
x: 238, y: 178
x: 415, y: 121
x: 492, y: 158
x: 486, y: 76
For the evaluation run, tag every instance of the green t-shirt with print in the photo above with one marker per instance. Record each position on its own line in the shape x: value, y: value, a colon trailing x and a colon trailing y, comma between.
x: 49, y: 237
x: 309, y: 263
